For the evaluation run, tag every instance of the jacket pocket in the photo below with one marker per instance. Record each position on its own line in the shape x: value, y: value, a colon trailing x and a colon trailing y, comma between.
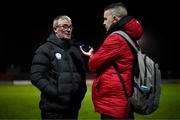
x: 98, y: 85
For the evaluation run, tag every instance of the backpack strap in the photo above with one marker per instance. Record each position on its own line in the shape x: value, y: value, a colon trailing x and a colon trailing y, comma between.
x: 121, y: 79
x: 130, y: 41
x: 137, y: 49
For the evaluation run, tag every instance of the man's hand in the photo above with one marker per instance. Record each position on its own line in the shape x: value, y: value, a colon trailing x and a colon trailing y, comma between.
x: 88, y: 53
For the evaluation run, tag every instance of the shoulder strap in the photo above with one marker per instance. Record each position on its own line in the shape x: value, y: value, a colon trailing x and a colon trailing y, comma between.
x: 128, y: 39
x: 131, y: 42
x: 121, y: 79
x: 141, y: 57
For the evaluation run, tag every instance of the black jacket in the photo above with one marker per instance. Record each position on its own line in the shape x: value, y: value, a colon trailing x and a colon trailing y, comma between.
x: 58, y: 72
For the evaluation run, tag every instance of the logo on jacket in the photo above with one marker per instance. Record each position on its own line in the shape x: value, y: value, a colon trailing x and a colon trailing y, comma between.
x: 58, y: 56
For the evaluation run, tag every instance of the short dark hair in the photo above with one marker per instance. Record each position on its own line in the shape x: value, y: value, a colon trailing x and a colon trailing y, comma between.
x: 114, y: 5
x: 117, y: 9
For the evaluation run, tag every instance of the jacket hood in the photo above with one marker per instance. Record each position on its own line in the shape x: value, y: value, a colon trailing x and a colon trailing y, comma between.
x: 129, y: 25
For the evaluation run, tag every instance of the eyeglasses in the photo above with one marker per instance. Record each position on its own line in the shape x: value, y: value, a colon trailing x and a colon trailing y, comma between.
x: 65, y: 26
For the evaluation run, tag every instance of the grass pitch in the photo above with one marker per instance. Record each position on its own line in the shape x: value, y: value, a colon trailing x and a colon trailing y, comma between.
x: 21, y: 102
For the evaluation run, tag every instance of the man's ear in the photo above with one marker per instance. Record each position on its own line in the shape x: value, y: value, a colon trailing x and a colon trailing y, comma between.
x: 116, y: 18
x: 54, y: 29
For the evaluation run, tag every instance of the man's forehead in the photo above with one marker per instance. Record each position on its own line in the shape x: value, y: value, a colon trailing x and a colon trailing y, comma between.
x: 107, y: 12
x: 64, y: 21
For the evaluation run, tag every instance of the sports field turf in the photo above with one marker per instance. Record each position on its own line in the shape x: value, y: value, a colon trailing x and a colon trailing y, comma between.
x: 21, y: 102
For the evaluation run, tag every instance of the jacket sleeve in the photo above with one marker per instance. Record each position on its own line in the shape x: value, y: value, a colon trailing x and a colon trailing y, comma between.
x: 109, y: 51
x: 39, y: 71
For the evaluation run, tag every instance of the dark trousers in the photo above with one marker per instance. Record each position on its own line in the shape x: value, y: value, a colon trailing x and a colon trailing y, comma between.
x: 107, y: 117
x: 70, y: 115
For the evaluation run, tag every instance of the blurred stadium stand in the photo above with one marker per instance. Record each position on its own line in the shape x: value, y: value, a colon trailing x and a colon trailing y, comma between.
x: 15, y: 75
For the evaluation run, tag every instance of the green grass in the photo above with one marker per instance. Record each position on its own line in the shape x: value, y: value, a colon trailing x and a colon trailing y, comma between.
x: 21, y: 102
x: 169, y: 104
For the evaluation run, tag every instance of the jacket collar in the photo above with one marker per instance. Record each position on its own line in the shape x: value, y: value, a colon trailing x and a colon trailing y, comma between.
x: 118, y: 25
x: 64, y: 44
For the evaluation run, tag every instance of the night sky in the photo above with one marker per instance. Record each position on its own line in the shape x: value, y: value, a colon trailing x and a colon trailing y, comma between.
x: 25, y: 25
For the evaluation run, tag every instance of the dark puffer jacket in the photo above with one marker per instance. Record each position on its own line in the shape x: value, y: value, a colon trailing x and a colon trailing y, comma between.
x: 58, y: 72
